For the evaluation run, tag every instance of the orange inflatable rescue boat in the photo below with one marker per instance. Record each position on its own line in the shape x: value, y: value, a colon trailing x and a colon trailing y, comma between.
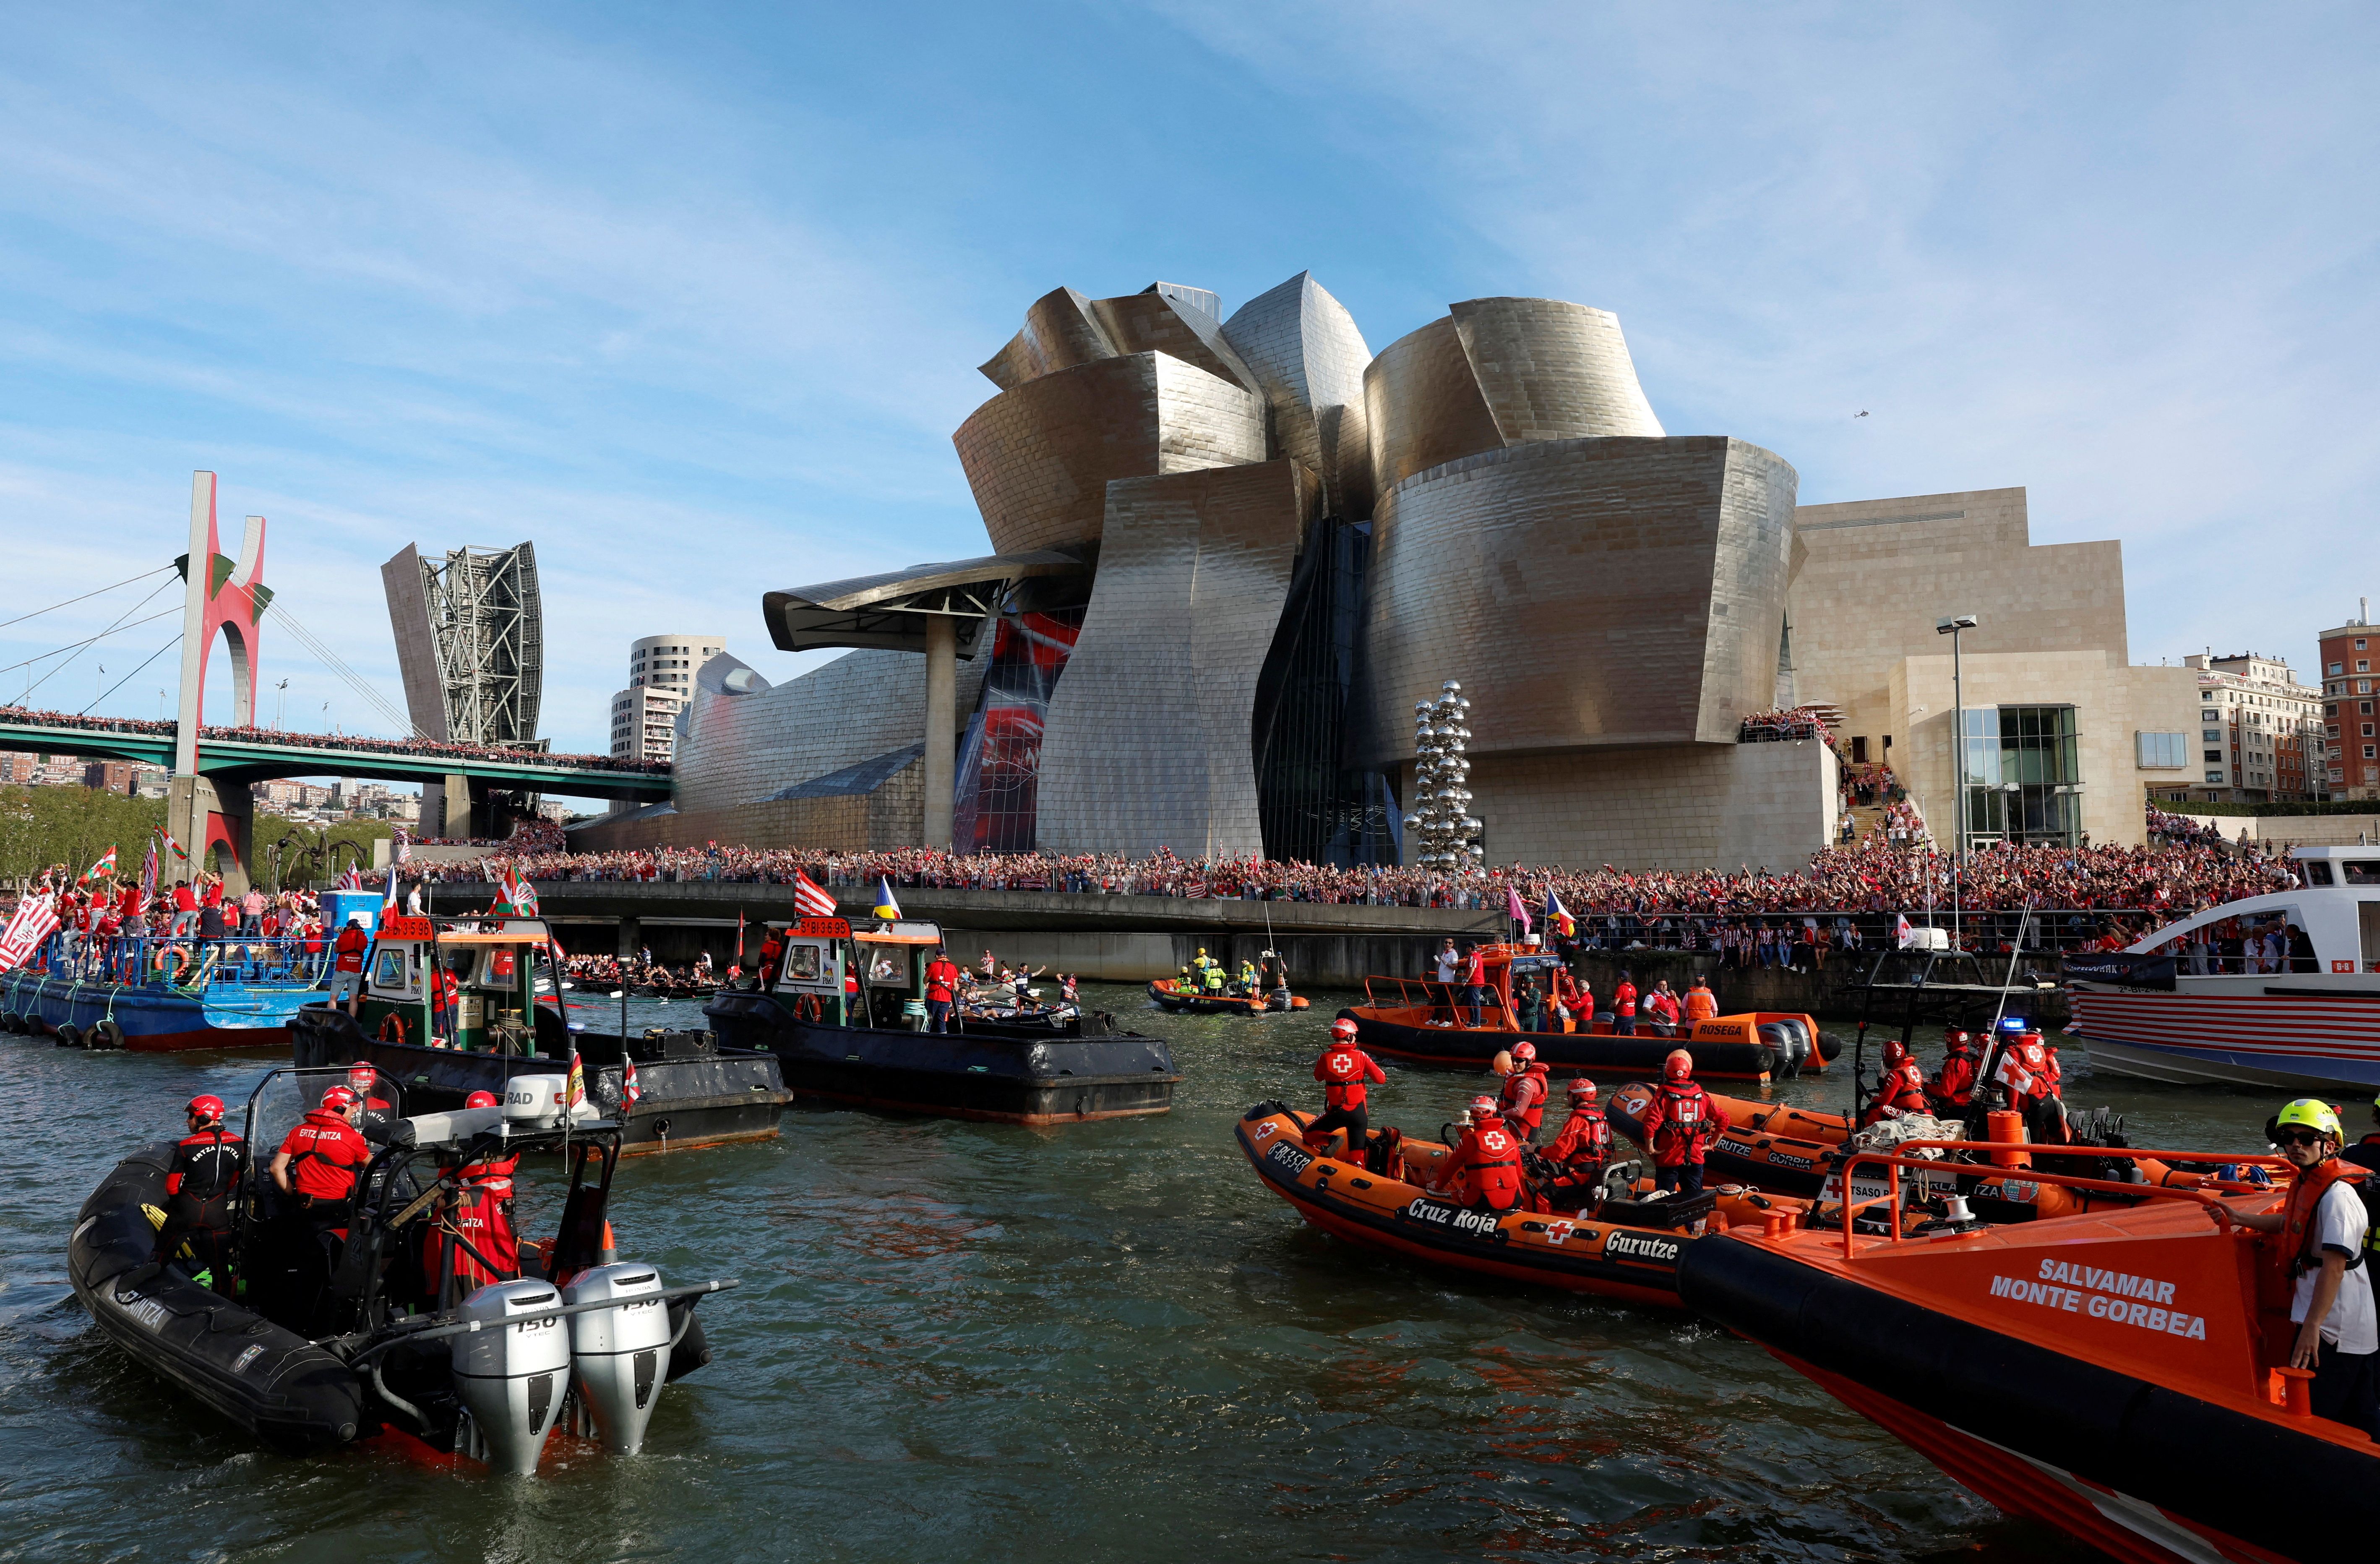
x: 1625, y: 1245
x: 2105, y: 1373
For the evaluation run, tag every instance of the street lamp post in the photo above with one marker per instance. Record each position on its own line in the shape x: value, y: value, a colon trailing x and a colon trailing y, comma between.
x: 1951, y: 627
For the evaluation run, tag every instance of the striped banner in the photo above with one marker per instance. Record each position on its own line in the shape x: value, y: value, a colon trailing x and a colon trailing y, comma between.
x: 2262, y: 1028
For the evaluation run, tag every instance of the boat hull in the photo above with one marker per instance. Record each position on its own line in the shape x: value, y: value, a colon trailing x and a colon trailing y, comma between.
x: 2289, y: 1041
x: 1012, y: 1075
x: 1167, y: 997
x: 2113, y: 1459
x: 1454, y: 1048
x: 155, y: 1019
x: 706, y: 1100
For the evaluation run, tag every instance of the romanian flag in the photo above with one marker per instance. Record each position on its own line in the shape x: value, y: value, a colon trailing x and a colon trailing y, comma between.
x: 886, y: 908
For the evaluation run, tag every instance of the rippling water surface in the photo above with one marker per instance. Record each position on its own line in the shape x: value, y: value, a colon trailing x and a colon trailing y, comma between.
x: 957, y: 1342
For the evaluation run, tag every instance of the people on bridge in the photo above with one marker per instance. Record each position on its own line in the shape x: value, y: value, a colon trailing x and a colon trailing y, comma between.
x: 1576, y: 1159
x: 1347, y: 1074
x: 203, y: 1186
x: 1521, y: 1103
x: 1484, y: 1172
x: 1680, y: 1122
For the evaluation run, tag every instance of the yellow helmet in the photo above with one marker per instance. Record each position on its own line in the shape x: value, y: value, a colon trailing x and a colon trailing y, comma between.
x: 2311, y: 1112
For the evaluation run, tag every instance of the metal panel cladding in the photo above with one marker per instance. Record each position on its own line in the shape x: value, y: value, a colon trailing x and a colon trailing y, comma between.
x: 1040, y: 458
x: 1589, y: 593
x: 1309, y: 359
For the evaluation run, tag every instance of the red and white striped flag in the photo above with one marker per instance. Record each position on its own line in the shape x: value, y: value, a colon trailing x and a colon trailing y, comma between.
x: 812, y: 902
x: 35, y: 921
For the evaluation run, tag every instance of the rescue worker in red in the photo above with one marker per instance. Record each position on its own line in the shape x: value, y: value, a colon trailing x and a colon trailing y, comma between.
x: 348, y: 965
x: 1475, y: 982
x: 2029, y: 1074
x: 1484, y: 1171
x: 1953, y: 1089
x: 1344, y: 1070
x: 372, y: 1110
x: 1680, y: 1122
x: 443, y: 993
x: 1521, y: 1103
x: 1575, y: 998
x: 772, y: 949
x: 1901, y: 1086
x: 471, y: 1240
x: 1580, y: 1152
x: 202, y: 1192
x: 1623, y: 1008
x: 942, y: 991
x: 317, y: 1165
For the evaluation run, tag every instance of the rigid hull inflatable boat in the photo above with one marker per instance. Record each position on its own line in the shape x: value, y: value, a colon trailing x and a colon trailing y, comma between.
x: 308, y: 1351
x: 2104, y: 1374
x: 1171, y: 994
x: 1625, y: 1245
x: 845, y: 1011
x: 668, y: 1091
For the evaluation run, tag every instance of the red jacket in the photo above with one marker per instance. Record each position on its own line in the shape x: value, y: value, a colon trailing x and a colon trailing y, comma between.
x: 1524, y: 1097
x: 1486, y: 1166
x: 481, y: 1218
x: 1584, y: 1141
x: 325, y: 1154
x: 1956, y: 1084
x: 1343, y: 1069
x: 1623, y: 999
x: 350, y: 947
x: 1904, y: 1087
x: 1680, y: 1120
x: 942, y: 980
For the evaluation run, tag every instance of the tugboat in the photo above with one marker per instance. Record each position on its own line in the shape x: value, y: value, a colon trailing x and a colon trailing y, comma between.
x: 308, y: 1348
x: 845, y: 1012
x: 2207, y: 1000
x: 154, y: 993
x: 2104, y: 1374
x: 669, y: 1089
x: 1624, y: 1244
x: 1425, y: 1022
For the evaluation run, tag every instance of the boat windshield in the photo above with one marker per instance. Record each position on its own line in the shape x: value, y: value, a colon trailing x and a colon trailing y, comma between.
x: 2272, y: 939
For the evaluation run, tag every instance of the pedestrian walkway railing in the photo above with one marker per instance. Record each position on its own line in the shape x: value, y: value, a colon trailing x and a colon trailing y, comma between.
x: 185, y: 962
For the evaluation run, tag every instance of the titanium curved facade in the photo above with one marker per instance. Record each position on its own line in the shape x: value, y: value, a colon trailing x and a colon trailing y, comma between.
x: 1039, y: 456
x: 1589, y: 593
x: 1309, y: 358
x: 1148, y: 736
x: 739, y: 746
x: 1494, y: 373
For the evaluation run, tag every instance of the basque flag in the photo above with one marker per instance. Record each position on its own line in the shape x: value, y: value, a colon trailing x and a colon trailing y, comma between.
x: 886, y: 908
x: 811, y: 899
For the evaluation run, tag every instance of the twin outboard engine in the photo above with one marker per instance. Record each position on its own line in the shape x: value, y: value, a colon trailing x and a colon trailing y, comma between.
x: 620, y: 1357
x: 511, y: 1377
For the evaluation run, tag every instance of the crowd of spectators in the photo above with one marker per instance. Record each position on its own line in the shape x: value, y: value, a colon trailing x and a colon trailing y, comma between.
x: 429, y: 748
x: 1780, y: 723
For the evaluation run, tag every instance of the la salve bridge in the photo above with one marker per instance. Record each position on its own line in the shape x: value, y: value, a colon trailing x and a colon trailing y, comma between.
x: 212, y: 766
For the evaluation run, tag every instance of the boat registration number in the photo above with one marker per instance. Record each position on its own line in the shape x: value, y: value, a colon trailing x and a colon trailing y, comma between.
x: 1289, y: 1158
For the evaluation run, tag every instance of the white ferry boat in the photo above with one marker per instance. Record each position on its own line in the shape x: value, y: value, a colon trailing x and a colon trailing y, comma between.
x: 2280, y: 990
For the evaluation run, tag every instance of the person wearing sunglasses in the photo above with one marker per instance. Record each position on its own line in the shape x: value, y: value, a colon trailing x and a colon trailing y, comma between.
x: 2323, y: 1226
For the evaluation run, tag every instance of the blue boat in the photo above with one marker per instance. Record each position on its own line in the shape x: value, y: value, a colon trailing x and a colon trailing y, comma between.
x: 158, y: 994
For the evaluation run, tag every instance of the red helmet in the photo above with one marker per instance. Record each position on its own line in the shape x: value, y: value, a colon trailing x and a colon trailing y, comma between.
x: 481, y: 1099
x: 362, y: 1077
x: 339, y: 1098
x: 1582, y: 1089
x: 207, y: 1109
x: 1485, y: 1107
x: 1679, y: 1065
x: 1895, y: 1053
x: 1525, y: 1053
x: 1342, y: 1030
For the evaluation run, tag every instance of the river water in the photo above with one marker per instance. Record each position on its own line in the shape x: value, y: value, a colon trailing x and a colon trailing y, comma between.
x: 957, y: 1342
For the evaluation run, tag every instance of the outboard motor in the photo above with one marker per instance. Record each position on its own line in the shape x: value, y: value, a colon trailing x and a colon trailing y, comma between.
x: 511, y: 1377
x: 620, y: 1357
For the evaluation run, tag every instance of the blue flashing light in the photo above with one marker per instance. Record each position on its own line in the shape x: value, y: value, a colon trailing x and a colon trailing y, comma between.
x: 2014, y: 1023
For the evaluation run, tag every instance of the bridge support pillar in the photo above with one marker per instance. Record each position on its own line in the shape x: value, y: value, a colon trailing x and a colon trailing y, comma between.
x: 632, y: 930
x: 217, y: 827
x: 942, y: 725
x: 456, y: 815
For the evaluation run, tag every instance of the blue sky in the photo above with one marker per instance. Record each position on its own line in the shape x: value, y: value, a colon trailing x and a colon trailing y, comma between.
x: 693, y: 295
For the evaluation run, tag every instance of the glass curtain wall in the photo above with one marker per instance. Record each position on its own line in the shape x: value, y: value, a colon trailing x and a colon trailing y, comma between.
x: 2024, y: 775
x: 998, y: 787
x: 1310, y: 805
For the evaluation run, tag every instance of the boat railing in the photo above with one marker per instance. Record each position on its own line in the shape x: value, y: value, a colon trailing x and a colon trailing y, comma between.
x: 2025, y: 1172
x: 1443, y: 1002
x: 187, y: 961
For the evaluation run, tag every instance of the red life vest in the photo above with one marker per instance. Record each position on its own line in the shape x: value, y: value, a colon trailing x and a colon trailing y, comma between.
x: 350, y: 947
x: 1681, y: 1117
x: 1524, y: 1097
x: 482, y: 1219
x: 325, y: 1154
x: 1487, y: 1166
x: 1584, y: 1141
x: 1343, y: 1069
x: 1956, y: 1084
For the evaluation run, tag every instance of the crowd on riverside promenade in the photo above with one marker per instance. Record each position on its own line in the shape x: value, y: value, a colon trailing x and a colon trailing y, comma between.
x: 428, y: 748
x: 1876, y: 876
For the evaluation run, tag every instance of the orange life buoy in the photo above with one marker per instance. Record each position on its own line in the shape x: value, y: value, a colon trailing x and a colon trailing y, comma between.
x: 391, y: 1019
x: 179, y: 960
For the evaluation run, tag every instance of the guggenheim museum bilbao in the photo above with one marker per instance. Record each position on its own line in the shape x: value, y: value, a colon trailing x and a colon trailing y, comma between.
x: 1228, y: 555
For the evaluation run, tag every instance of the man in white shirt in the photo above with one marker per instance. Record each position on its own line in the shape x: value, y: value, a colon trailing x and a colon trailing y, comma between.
x: 2322, y: 1226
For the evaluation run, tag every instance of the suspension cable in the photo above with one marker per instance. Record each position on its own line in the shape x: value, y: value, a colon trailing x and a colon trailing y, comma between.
x: 126, y: 678
x: 331, y: 660
x: 76, y: 647
x: 71, y: 601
